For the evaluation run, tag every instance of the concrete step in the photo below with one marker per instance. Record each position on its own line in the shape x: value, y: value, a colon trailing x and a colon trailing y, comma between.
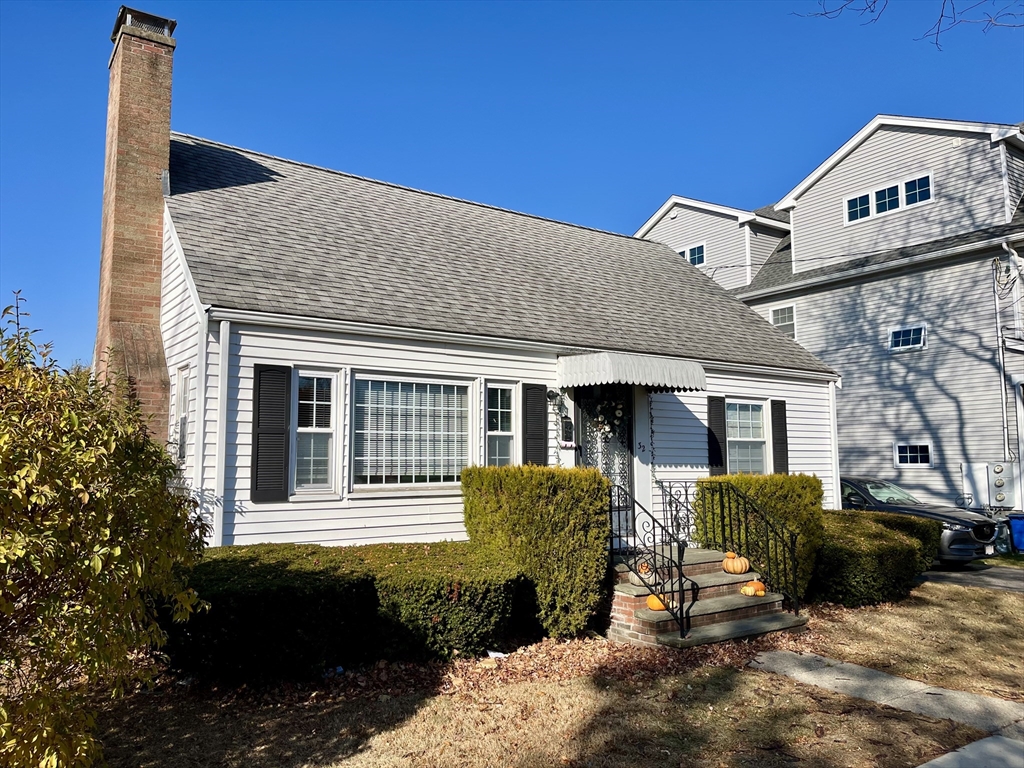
x: 715, y: 610
x: 733, y: 630
x: 696, y: 562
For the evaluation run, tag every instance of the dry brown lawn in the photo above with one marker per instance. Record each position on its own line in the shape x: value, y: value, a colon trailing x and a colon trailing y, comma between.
x: 964, y: 638
x: 1012, y: 561
x: 583, y: 703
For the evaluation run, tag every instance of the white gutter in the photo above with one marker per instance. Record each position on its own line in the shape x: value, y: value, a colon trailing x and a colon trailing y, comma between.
x: 273, y: 320
x: 878, y: 268
x: 223, y: 369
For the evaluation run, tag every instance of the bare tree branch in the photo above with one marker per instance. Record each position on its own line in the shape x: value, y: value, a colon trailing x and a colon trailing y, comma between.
x: 989, y: 13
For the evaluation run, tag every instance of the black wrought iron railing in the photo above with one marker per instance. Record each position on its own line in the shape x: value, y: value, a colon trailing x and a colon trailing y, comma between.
x: 718, y: 515
x: 652, y: 553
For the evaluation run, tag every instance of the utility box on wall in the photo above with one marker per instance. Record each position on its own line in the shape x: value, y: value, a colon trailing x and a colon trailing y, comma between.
x: 989, y: 486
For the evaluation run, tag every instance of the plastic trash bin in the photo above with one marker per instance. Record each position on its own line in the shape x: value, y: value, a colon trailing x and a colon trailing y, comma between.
x: 1017, y: 532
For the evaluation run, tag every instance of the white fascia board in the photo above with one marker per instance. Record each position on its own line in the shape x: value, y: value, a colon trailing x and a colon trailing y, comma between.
x: 274, y: 320
x: 770, y: 223
x: 736, y: 213
x: 996, y: 131
x: 884, y: 267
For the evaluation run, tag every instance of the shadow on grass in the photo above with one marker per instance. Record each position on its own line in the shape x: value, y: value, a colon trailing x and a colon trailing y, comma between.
x: 185, y: 728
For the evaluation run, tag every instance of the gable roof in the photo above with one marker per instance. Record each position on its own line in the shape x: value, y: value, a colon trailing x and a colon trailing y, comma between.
x: 776, y: 221
x: 269, y: 235
x: 776, y: 274
x: 997, y: 131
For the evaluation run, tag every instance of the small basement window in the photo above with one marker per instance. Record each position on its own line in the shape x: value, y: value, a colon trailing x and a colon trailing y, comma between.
x: 783, y: 318
x: 912, y: 454
x: 911, y: 337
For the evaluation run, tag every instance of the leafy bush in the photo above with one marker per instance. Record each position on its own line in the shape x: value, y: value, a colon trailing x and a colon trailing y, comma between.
x: 92, y: 532
x: 552, y: 525
x: 335, y: 606
x: 862, y: 562
x: 794, y: 500
x: 927, y: 533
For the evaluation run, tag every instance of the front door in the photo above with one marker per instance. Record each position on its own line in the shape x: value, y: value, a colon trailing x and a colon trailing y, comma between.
x: 606, y: 440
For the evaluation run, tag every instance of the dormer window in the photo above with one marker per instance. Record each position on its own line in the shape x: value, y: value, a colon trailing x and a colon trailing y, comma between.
x: 887, y: 199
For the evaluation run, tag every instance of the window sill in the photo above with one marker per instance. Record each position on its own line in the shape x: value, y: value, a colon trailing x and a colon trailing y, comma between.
x: 405, y: 491
x: 314, y: 496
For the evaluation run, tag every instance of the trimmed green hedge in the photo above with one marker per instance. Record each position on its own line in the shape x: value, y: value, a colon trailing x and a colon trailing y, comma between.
x: 795, y: 500
x: 552, y: 525
x: 283, y: 611
x: 928, y: 533
x: 863, y: 562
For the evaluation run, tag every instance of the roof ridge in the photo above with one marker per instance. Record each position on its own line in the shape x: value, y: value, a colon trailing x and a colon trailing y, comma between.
x: 408, y: 189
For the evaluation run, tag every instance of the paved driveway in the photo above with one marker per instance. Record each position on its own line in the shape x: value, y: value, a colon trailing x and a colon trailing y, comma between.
x: 976, y: 575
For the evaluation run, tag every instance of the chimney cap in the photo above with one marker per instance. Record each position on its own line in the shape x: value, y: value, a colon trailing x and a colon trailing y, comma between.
x: 130, y: 17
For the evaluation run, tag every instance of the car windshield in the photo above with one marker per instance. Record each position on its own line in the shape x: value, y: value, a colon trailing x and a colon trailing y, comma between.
x: 887, y: 493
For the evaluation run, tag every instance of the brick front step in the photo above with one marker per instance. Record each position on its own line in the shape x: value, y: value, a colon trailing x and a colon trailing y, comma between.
x: 696, y: 562
x: 711, y: 611
x: 700, y: 587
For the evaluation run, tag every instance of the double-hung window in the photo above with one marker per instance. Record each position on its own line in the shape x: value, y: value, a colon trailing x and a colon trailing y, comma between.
x: 409, y: 432
x: 784, y: 319
x: 500, y: 436
x: 745, y: 434
x: 314, y: 432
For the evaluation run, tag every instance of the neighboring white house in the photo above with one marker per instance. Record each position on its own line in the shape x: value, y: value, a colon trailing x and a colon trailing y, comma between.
x: 900, y: 268
x: 328, y: 352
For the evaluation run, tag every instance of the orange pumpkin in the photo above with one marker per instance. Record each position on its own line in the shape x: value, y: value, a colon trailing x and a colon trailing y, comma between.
x: 730, y: 555
x: 757, y: 586
x: 655, y: 603
x: 735, y: 564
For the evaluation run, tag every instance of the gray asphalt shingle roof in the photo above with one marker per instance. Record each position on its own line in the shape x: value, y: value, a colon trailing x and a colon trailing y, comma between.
x: 777, y: 271
x: 769, y: 212
x: 271, y: 235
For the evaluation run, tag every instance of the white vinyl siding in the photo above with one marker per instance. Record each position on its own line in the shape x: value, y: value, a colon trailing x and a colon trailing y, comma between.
x: 722, y: 237
x: 359, y: 514
x: 762, y: 242
x: 966, y: 195
x: 179, y: 328
x: 679, y: 439
x: 947, y: 391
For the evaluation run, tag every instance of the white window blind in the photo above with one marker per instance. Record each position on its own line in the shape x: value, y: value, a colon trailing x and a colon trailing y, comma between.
x: 409, y: 432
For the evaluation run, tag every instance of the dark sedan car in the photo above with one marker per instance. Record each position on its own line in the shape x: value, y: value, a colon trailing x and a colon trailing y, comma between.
x: 966, y: 535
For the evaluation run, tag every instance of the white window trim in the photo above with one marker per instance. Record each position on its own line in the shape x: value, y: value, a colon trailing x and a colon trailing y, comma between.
x: 896, y: 454
x: 685, y: 253
x: 516, y: 426
x: 771, y: 312
x: 329, y: 491
x: 416, y: 489
x: 766, y: 426
x: 901, y: 187
x: 909, y: 326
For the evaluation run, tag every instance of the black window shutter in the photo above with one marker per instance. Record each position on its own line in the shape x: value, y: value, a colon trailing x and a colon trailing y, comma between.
x: 716, y: 436
x: 271, y: 414
x: 780, y: 438
x: 535, y: 424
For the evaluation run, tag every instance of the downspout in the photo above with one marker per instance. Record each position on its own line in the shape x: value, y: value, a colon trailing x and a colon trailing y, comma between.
x: 996, y: 266
x: 836, y: 495
x: 200, y: 446
x: 223, y: 371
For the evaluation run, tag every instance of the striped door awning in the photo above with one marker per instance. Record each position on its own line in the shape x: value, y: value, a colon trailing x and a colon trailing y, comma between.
x: 655, y: 373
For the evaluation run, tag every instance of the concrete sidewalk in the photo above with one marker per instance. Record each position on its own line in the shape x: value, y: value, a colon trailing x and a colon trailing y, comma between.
x: 1003, y: 718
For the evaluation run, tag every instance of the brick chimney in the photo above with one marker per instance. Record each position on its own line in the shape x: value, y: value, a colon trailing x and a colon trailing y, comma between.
x: 128, y: 336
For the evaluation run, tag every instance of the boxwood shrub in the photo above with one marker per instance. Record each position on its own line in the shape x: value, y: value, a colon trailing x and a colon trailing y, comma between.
x: 927, y: 533
x: 863, y: 562
x: 284, y: 611
x: 795, y: 500
x: 552, y: 525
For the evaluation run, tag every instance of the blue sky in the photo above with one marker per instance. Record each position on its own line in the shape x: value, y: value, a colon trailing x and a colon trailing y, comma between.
x: 590, y: 113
